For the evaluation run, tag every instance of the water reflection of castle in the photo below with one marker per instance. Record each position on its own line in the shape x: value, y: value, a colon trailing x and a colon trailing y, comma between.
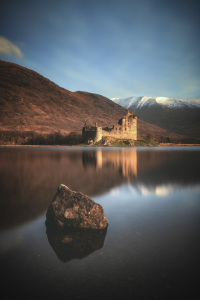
x: 122, y: 160
x: 29, y: 177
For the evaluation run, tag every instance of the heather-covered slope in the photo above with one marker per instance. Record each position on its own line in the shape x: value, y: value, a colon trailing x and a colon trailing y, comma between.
x: 31, y: 102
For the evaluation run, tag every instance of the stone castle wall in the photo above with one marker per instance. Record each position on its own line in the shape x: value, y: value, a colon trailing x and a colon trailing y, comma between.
x: 92, y: 133
x: 125, y: 129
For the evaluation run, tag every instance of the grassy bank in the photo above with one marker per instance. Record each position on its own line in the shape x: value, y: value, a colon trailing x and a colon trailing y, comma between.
x: 114, y: 142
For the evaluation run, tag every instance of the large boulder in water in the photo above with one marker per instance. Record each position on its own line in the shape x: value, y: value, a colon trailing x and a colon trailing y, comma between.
x: 74, y: 209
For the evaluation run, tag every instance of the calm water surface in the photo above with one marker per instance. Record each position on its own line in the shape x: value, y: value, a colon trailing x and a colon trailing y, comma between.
x: 150, y: 250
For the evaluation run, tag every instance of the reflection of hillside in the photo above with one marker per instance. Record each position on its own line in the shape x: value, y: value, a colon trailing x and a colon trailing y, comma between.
x: 75, y: 243
x: 29, y: 177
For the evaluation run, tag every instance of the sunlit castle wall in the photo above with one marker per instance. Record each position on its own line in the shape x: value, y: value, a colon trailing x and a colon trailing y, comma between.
x: 125, y: 129
x: 98, y: 133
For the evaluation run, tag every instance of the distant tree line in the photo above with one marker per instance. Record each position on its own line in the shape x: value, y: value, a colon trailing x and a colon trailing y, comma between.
x: 73, y: 138
x: 161, y: 139
x: 33, y: 138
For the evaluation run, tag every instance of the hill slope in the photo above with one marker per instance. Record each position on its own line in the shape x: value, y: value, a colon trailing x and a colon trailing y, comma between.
x: 29, y: 101
x: 175, y: 115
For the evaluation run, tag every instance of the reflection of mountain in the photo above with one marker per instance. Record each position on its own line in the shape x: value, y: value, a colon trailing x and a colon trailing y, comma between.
x: 29, y: 177
x: 176, y: 170
x: 75, y: 243
x: 162, y: 171
x: 162, y: 190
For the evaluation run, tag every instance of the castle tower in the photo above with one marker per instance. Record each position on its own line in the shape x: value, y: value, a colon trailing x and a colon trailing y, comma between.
x: 98, y: 136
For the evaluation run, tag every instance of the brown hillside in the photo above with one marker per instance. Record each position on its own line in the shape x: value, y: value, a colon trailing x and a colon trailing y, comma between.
x: 31, y: 102
x: 144, y: 128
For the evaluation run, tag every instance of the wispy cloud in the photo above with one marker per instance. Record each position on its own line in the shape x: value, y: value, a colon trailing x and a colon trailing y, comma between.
x: 131, y: 48
x: 8, y: 48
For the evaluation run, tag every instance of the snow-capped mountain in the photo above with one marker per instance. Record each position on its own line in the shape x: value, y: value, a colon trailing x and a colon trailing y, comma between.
x: 138, y: 102
x: 176, y: 115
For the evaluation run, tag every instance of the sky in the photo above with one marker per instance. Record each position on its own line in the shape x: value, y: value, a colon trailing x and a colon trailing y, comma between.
x: 118, y: 48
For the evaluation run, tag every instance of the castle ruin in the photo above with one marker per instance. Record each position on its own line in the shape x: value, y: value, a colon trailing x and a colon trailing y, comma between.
x: 92, y: 133
x: 125, y: 129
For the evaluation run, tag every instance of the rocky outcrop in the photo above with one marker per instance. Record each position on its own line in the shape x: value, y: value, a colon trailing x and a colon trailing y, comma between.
x: 75, y: 210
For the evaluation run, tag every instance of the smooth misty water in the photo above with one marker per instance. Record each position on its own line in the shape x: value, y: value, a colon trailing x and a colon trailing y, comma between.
x: 151, y: 198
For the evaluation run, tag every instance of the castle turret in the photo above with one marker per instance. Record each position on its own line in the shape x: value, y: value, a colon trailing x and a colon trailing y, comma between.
x: 98, y: 136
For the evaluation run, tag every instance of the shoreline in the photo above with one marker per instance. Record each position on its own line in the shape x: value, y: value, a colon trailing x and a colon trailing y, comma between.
x: 110, y: 146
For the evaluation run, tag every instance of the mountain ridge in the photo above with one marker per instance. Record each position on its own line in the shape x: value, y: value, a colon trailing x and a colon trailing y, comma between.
x: 161, y: 100
x: 174, y: 115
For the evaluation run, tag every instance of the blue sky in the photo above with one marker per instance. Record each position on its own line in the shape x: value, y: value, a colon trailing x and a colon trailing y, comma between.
x: 113, y: 48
